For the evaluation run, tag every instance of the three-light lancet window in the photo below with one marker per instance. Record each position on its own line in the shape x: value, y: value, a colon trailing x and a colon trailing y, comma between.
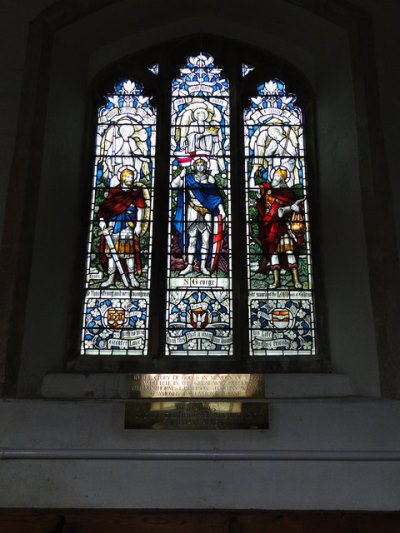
x: 200, y: 315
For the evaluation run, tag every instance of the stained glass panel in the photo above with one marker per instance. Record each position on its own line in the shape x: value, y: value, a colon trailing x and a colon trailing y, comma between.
x: 246, y: 69
x: 154, y: 69
x: 120, y: 240
x: 199, y: 301
x: 281, y: 305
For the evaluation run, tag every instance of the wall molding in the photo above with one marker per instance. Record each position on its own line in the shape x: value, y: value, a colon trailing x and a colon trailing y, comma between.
x: 198, y: 455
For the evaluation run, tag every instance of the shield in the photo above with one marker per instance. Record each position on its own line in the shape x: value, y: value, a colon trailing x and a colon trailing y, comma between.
x: 115, y: 317
x: 199, y: 317
x: 281, y: 318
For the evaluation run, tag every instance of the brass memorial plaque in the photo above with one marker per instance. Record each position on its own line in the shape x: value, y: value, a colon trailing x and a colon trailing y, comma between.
x: 184, y: 414
x: 196, y: 401
x: 196, y: 386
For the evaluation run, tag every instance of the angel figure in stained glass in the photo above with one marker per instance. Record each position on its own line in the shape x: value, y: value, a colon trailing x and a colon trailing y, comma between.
x: 198, y: 130
x: 279, y: 227
x: 199, y: 217
x: 123, y: 218
x: 124, y: 144
x: 275, y: 145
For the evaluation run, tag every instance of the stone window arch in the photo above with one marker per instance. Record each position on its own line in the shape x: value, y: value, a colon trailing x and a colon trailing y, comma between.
x: 46, y: 232
x: 253, y: 99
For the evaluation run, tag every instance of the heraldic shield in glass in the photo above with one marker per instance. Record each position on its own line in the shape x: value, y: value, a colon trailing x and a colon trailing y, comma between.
x: 281, y: 305
x: 119, y: 251
x: 199, y: 300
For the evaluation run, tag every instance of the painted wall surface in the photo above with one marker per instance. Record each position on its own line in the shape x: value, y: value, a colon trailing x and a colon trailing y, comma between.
x: 338, y: 425
x: 345, y: 277
x: 320, y: 48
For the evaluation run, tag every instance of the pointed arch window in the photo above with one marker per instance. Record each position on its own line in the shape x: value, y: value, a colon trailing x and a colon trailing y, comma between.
x: 281, y: 305
x: 118, y: 275
x: 218, y: 211
x: 199, y: 309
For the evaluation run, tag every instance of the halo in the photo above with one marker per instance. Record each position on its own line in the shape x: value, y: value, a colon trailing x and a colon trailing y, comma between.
x: 275, y: 170
x: 126, y: 125
x: 123, y: 168
x: 202, y: 157
x: 202, y: 110
x: 116, y: 180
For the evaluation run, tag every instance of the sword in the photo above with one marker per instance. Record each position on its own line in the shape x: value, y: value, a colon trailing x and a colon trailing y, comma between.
x: 217, y: 242
x: 114, y: 255
x: 136, y: 246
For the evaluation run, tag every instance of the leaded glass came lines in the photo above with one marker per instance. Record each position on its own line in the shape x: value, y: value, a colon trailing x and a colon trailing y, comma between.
x: 120, y: 241
x: 281, y: 303
x: 199, y: 301
x: 276, y: 299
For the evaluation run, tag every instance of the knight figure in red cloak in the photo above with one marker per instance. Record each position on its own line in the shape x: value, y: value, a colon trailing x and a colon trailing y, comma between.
x: 121, y: 217
x: 280, y: 237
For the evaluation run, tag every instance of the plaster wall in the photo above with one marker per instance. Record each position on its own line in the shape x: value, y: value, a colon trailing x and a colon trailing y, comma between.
x: 318, y: 48
x: 59, y: 220
x: 385, y: 38
x: 14, y: 29
x: 301, y: 425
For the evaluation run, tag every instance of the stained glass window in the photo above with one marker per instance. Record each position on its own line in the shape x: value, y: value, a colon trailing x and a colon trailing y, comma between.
x: 281, y: 308
x: 119, y: 251
x: 274, y: 304
x: 199, y: 303
x: 154, y: 69
x: 246, y: 69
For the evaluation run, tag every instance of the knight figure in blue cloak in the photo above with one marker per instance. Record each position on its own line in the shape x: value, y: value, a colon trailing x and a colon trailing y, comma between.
x: 199, y: 217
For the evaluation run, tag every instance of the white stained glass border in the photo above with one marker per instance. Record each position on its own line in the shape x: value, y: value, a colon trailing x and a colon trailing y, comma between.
x: 115, y: 322
x: 282, y: 323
